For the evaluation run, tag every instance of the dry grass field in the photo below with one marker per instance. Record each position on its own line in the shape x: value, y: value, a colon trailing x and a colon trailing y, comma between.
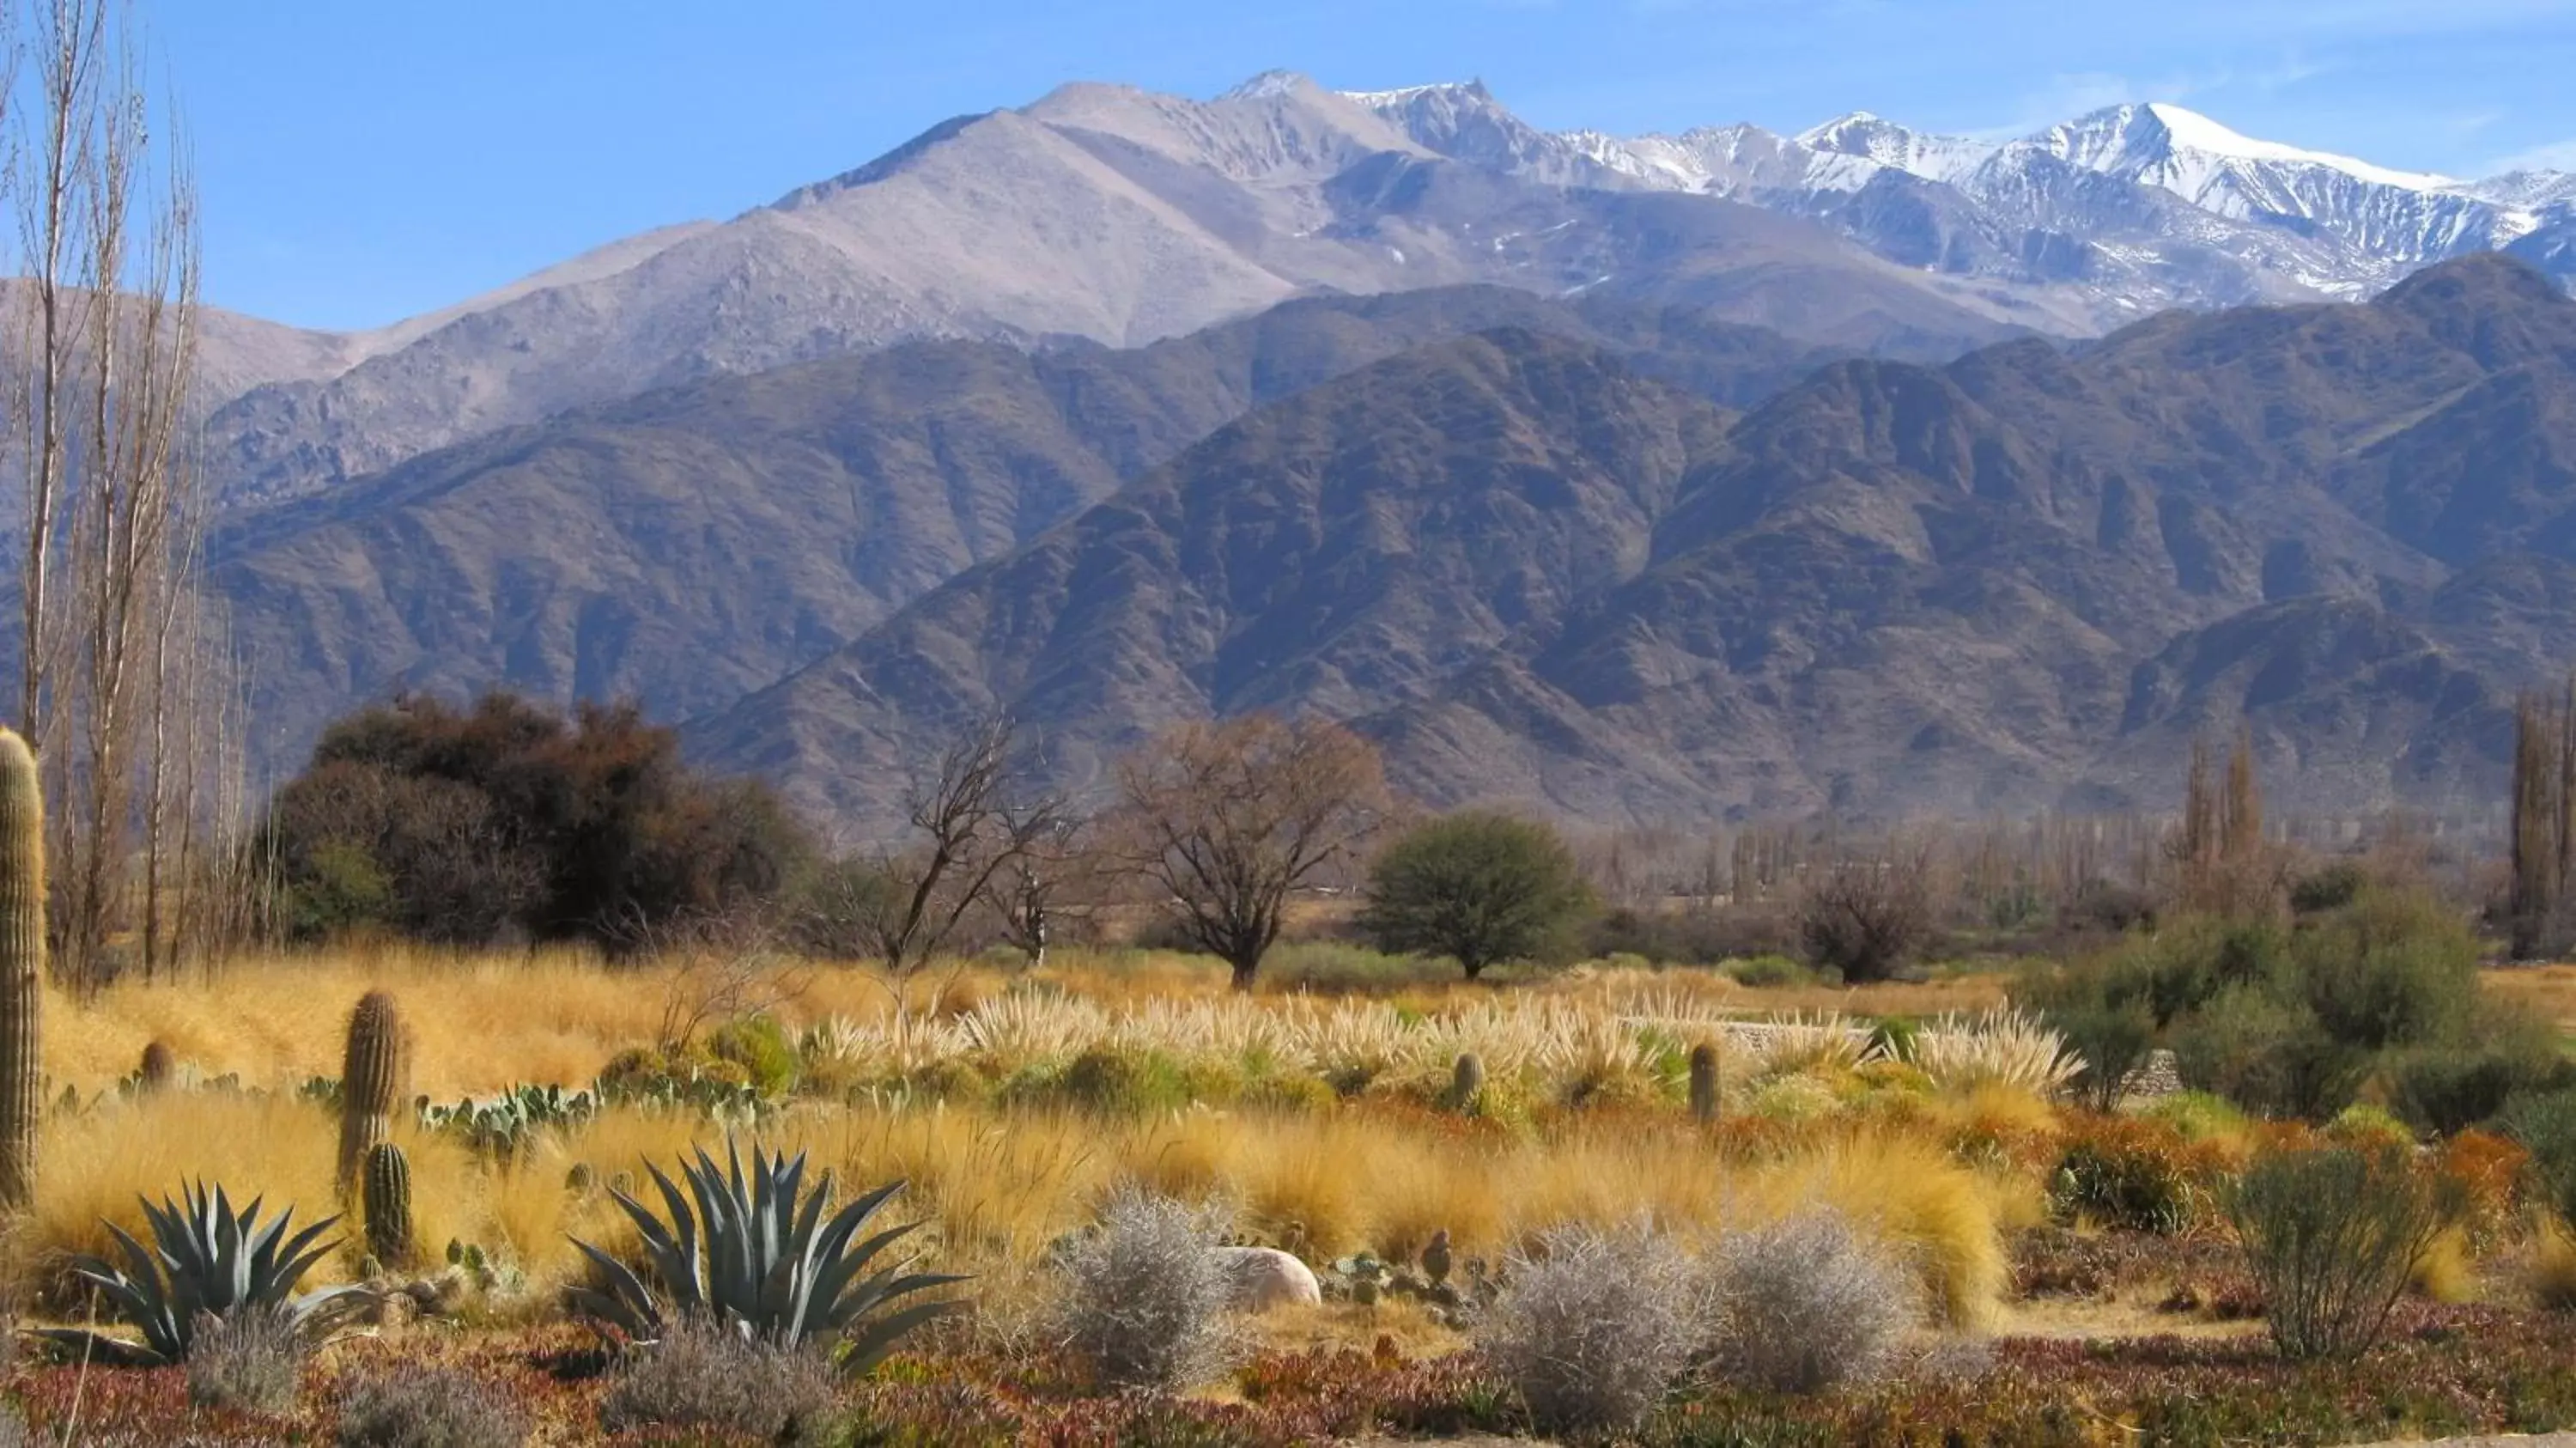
x: 1319, y: 1114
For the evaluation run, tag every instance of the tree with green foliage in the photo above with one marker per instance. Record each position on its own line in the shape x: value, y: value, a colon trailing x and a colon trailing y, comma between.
x: 1479, y: 887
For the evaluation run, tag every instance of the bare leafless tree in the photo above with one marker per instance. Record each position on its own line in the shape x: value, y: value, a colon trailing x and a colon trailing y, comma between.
x: 104, y: 354
x: 717, y: 966
x: 970, y: 823
x: 1034, y: 891
x: 1866, y: 912
x: 1227, y: 821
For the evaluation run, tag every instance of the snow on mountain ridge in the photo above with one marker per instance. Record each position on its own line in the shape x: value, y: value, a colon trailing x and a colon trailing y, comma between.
x: 2197, y: 132
x: 2135, y: 207
x: 1936, y: 158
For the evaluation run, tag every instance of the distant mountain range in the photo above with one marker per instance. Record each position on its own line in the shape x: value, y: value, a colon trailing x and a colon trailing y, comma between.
x: 1121, y: 217
x: 1665, y: 478
x: 1617, y: 562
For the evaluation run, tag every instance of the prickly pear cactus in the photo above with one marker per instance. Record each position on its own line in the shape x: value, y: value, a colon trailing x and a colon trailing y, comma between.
x: 388, y: 1205
x: 370, y: 1081
x: 22, y: 970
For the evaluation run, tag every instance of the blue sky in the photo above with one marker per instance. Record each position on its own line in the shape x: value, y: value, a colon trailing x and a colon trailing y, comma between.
x: 362, y: 160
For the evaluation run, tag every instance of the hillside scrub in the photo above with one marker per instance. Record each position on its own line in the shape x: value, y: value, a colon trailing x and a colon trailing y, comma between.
x: 2296, y: 1020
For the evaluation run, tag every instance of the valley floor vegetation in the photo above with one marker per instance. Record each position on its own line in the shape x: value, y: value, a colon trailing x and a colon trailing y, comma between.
x: 570, y: 1098
x: 1778, y: 1223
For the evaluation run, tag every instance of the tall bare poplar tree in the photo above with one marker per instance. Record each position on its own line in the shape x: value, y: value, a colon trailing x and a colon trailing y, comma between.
x: 104, y: 354
x: 2544, y: 797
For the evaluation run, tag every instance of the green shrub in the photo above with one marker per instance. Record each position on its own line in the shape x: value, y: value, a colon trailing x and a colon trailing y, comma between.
x: 2127, y: 1174
x: 2545, y: 1124
x: 2107, y: 1025
x: 2332, y: 1235
x: 2196, y: 1115
x: 1288, y: 1091
x: 2371, y: 1128
x: 1770, y: 972
x: 760, y: 1046
x: 342, y: 891
x: 1111, y: 1081
x: 2109, y: 907
x: 2183, y: 970
x: 2391, y: 969
x: 2329, y: 887
x: 1478, y: 888
x: 2269, y: 1055
x: 1337, y: 965
x: 2445, y: 1089
x: 1893, y: 1037
x: 513, y: 816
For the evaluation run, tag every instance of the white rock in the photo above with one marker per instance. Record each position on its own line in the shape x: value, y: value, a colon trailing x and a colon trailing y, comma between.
x: 1265, y: 1277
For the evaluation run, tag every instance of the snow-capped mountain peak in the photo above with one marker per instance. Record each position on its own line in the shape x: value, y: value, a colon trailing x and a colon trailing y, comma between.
x: 1937, y: 158
x: 1271, y: 85
x: 2116, y: 205
x: 1454, y: 91
x: 2393, y: 218
x: 2190, y: 130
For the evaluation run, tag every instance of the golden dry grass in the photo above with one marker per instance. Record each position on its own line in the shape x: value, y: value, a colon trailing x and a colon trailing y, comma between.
x: 2548, y: 991
x: 483, y: 1023
x: 997, y: 1186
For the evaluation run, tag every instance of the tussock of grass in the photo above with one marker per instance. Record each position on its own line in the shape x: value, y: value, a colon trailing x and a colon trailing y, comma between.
x: 2447, y: 1272
x: 2553, y: 1268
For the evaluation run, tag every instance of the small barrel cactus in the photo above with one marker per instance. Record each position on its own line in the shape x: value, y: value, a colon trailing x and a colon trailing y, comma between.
x: 388, y: 1205
x: 1466, y: 1081
x: 160, y: 1068
x: 22, y: 970
x: 1703, y: 1083
x: 370, y: 1081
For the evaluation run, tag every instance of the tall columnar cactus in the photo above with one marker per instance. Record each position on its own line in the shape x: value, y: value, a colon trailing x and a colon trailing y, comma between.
x: 388, y: 1204
x: 1466, y: 1081
x: 160, y: 1067
x: 370, y: 1081
x: 22, y: 969
x: 1703, y: 1083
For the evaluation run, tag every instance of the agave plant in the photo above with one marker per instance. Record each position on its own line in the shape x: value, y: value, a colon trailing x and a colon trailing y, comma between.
x: 759, y: 1256
x: 207, y: 1261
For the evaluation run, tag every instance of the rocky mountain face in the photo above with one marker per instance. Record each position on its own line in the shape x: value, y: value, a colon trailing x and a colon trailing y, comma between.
x: 1099, y: 213
x: 697, y: 543
x: 2028, y: 578
x: 2112, y: 215
x: 1120, y: 217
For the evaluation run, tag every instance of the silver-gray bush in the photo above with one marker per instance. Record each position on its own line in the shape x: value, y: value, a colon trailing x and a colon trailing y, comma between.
x: 1594, y: 1327
x: 1142, y: 1296
x: 1807, y: 1304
